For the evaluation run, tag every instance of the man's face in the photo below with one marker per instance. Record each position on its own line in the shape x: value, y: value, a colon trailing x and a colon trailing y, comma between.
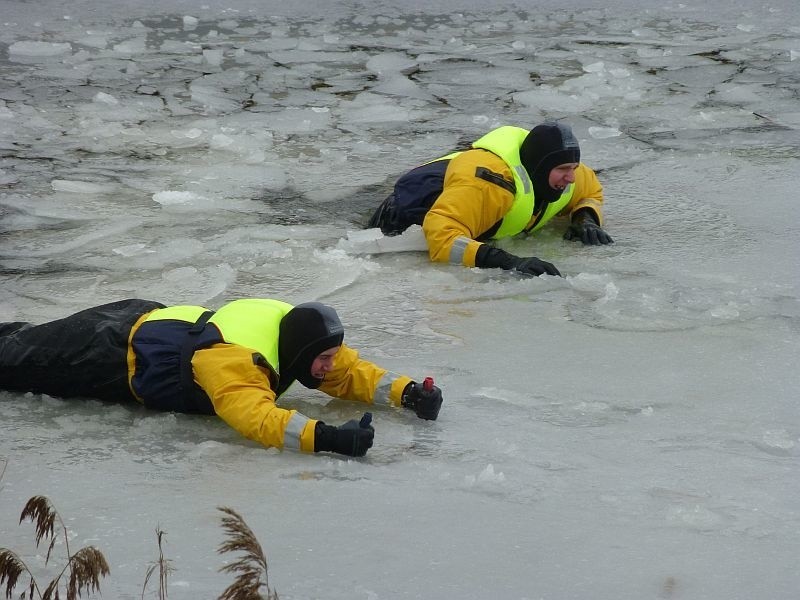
x: 562, y: 175
x: 323, y: 363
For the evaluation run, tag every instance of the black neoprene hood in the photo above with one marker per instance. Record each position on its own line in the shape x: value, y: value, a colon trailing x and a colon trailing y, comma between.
x: 545, y: 147
x: 306, y: 331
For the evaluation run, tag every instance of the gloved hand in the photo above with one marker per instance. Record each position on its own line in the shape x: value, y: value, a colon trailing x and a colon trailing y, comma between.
x: 489, y: 257
x: 423, y: 398
x: 585, y: 228
x: 353, y: 438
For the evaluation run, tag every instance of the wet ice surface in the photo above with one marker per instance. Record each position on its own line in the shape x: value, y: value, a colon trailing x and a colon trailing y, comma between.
x: 630, y: 431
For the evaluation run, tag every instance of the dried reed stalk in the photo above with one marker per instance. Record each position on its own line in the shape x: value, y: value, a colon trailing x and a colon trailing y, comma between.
x: 43, y: 515
x: 85, y: 567
x: 163, y: 566
x: 251, y: 567
x: 11, y: 567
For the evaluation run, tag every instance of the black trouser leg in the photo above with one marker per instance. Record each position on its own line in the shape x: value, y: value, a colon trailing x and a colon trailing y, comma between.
x: 84, y: 354
x: 383, y: 217
x: 9, y: 328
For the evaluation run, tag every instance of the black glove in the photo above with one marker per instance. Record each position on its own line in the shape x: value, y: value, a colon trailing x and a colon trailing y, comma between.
x: 585, y: 228
x: 353, y: 438
x: 424, y: 399
x: 489, y: 257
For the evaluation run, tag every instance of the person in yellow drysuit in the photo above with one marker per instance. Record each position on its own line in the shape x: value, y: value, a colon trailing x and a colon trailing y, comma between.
x: 511, y: 181
x: 234, y: 362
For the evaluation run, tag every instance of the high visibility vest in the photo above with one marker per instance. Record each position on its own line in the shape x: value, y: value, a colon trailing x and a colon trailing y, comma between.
x: 168, y: 337
x: 505, y: 142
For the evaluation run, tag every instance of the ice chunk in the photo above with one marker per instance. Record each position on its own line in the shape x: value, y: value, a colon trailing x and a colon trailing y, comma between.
x: 391, y: 62
x: 133, y: 46
x: 213, y: 57
x: 183, y: 201
x: 372, y: 241
x: 31, y: 48
x: 80, y: 187
x: 600, y: 133
x: 103, y: 98
x: 487, y: 477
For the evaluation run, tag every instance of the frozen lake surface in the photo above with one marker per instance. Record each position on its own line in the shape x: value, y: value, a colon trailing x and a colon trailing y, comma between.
x: 630, y: 431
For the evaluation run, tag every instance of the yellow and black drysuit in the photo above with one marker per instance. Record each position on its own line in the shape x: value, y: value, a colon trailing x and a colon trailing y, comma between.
x: 233, y: 362
x: 487, y: 193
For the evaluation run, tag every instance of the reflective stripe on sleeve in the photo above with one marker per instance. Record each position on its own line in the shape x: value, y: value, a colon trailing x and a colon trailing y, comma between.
x: 293, y: 431
x: 384, y: 389
x: 458, y: 249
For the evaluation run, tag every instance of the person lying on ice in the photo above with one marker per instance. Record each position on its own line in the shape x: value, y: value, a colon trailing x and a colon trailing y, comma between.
x: 234, y: 363
x: 510, y: 181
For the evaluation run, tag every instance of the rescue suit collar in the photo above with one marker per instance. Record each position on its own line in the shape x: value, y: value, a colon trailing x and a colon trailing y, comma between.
x: 306, y: 331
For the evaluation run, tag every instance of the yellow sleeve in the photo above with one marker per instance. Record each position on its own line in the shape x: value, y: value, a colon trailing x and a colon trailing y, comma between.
x: 355, y: 379
x: 467, y: 207
x: 588, y: 193
x: 242, y: 397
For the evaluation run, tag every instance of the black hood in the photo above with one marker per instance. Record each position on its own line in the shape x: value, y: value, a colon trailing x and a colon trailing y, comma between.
x: 546, y: 146
x: 306, y: 331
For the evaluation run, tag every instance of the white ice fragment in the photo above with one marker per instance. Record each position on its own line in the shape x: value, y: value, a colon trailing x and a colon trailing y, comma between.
x: 485, y: 477
x: 739, y: 93
x: 179, y: 47
x: 596, y: 67
x: 547, y: 98
x: 402, y: 86
x: 518, y: 45
x: 391, y: 62
x: 361, y: 148
x: 220, y: 140
x: 588, y: 282
x: 794, y: 54
x: 372, y: 241
x: 299, y: 120
x: 600, y: 133
x: 131, y: 250
x: 183, y: 201
x: 695, y: 517
x: 173, y: 197
x: 728, y: 311
x: 190, y: 22
x: 31, y: 48
x: 744, y: 27
x: 133, y: 46
x: 212, y: 57
x: 103, y: 98
x: 778, y: 438
x: 7, y: 179
x: 94, y: 40
x: 79, y: 187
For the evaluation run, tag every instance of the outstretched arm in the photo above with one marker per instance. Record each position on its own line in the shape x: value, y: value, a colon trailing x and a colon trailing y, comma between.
x: 355, y: 379
x: 242, y: 397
